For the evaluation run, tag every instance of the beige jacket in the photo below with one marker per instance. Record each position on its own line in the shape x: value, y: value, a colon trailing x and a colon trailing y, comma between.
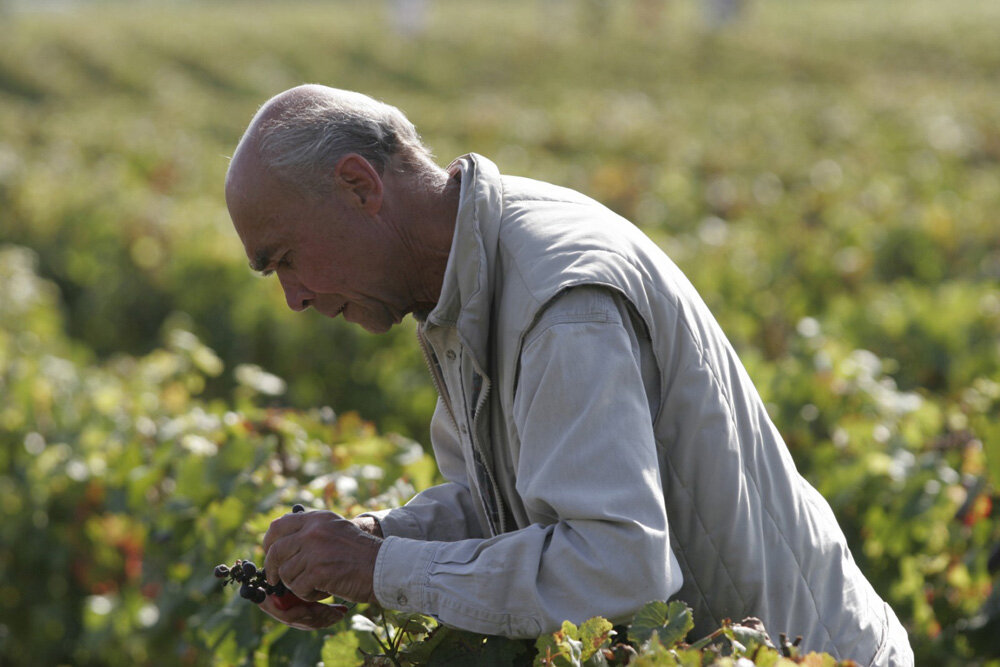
x: 604, y: 446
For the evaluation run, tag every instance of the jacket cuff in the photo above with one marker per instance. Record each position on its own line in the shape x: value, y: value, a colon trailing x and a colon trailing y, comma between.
x: 402, y: 573
x: 397, y: 522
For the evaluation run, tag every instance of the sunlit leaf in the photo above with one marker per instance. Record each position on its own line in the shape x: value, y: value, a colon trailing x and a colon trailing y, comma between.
x: 672, y: 621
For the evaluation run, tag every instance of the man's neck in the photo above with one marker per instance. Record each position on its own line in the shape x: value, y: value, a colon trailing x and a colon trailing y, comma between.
x: 426, y: 207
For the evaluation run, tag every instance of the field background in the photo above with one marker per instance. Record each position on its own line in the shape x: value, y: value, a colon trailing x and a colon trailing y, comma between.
x: 826, y: 172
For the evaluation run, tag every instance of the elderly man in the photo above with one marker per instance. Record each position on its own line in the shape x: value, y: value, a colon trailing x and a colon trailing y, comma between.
x: 602, y: 443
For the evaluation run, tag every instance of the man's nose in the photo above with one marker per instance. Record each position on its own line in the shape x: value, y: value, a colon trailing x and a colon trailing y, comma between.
x: 296, y: 295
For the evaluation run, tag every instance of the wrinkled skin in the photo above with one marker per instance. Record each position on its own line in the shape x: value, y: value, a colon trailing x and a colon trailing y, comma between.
x: 318, y: 554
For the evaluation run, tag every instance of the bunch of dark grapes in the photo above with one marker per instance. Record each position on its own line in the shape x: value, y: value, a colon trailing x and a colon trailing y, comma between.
x: 253, y: 581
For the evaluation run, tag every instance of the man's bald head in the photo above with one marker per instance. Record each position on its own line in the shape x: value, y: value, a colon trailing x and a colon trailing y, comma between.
x: 300, y: 135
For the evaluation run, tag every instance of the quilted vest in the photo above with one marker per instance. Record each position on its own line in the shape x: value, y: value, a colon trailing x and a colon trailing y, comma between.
x: 753, y: 538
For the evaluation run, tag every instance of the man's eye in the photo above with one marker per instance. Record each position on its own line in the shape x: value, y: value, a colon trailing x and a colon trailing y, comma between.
x: 286, y: 260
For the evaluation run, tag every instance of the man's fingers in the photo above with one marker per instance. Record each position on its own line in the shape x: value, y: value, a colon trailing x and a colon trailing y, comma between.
x: 313, y: 552
x: 299, y: 578
x: 295, y: 575
x: 283, y: 526
x: 318, y: 615
x: 290, y: 523
x: 316, y: 596
x: 309, y: 616
x: 276, y: 558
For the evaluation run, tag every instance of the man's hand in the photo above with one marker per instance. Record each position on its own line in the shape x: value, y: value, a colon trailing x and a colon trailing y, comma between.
x: 307, y: 616
x: 318, y: 554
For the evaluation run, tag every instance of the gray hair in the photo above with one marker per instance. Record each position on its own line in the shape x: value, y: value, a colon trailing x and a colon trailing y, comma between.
x: 300, y: 140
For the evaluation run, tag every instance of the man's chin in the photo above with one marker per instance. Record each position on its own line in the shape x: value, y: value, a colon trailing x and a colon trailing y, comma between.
x: 374, y: 325
x: 382, y: 325
x: 378, y: 328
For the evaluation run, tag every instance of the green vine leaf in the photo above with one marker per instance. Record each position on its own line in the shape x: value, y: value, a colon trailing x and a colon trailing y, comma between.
x: 594, y: 634
x: 340, y: 649
x: 445, y: 647
x: 751, y: 633
x: 560, y: 649
x: 670, y: 621
x: 294, y: 650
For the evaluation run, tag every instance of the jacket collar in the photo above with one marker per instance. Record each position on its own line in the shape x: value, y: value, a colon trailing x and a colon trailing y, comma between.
x: 467, y: 291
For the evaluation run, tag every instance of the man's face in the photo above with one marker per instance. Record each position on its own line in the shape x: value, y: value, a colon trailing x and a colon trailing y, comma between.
x: 326, y: 253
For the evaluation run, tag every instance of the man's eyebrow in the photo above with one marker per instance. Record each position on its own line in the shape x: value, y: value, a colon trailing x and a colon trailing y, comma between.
x: 261, y: 260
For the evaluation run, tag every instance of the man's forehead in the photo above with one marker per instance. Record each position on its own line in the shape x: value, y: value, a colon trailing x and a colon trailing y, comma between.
x: 261, y: 239
x: 244, y: 176
x: 249, y: 191
x: 255, y: 224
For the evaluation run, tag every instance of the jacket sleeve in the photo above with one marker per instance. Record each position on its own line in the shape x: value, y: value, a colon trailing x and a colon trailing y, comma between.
x: 587, y: 470
x: 444, y: 512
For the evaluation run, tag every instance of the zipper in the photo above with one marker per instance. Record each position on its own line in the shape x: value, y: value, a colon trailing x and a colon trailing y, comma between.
x: 497, y: 498
x: 435, y: 372
x: 439, y: 385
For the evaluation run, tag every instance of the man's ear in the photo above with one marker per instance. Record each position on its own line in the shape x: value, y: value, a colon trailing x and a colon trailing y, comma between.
x: 358, y: 179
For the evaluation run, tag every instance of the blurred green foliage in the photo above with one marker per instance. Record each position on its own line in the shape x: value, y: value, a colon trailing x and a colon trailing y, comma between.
x: 827, y: 173
x: 120, y: 490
